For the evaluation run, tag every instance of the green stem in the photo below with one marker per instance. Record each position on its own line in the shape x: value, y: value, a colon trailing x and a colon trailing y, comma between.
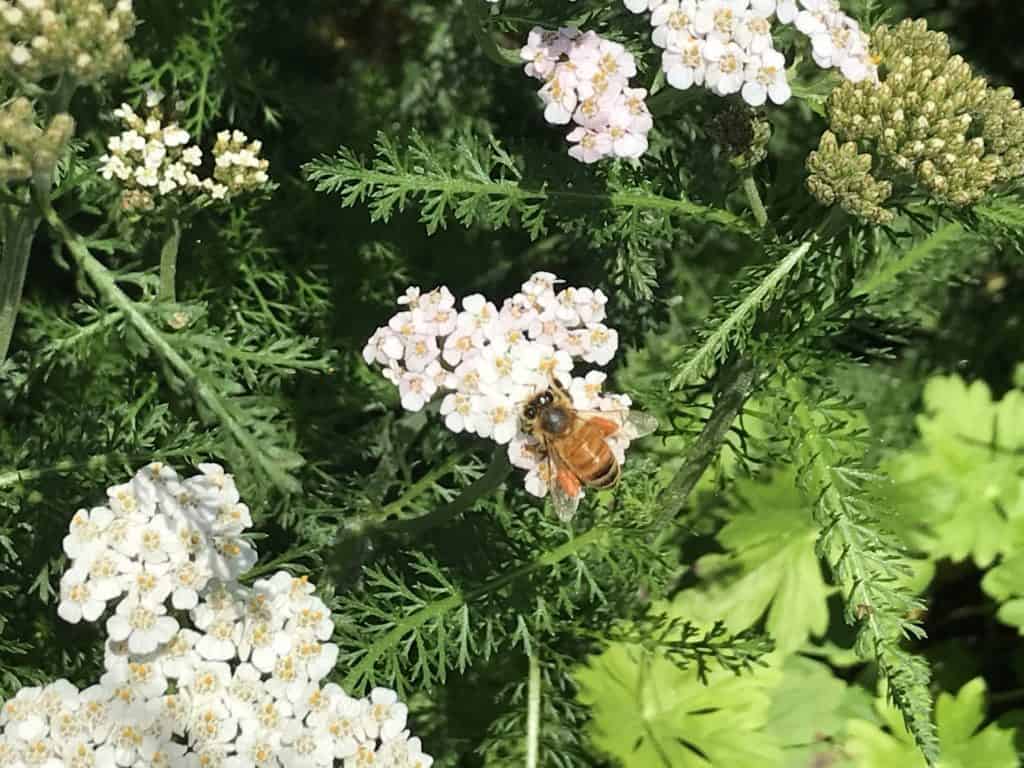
x: 261, y: 357
x: 533, y: 711
x: 326, y: 179
x: 422, y: 485
x: 501, y: 56
x: 737, y: 383
x: 93, y: 463
x: 60, y: 99
x: 259, y: 570
x: 202, y: 390
x: 169, y: 263
x: 13, y: 268
x: 21, y: 231
x: 754, y: 198
x: 917, y: 254
x: 483, y: 486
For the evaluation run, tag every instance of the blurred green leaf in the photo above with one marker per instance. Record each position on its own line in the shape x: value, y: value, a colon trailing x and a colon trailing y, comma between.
x: 647, y: 713
x: 965, y: 742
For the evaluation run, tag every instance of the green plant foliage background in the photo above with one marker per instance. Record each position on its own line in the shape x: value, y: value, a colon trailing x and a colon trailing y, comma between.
x: 876, y: 478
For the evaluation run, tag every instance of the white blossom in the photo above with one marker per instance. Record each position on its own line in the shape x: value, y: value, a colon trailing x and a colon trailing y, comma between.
x: 673, y: 23
x: 143, y: 624
x: 241, y: 684
x: 766, y: 78
x: 727, y: 46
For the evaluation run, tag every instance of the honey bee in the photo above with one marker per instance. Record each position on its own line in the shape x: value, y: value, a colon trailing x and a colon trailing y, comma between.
x: 575, y: 443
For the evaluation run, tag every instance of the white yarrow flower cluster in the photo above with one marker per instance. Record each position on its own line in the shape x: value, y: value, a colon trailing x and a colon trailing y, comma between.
x: 485, y: 362
x: 727, y: 46
x: 237, y: 162
x: 586, y: 82
x: 153, y: 161
x: 201, y: 671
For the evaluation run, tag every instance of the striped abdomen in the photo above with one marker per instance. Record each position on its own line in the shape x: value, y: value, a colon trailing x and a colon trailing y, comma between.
x: 585, y: 452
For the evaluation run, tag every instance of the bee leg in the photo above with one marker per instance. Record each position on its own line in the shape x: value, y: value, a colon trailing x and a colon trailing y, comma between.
x: 568, y: 482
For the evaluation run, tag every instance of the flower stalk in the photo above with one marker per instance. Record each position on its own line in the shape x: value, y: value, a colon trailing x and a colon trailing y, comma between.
x: 169, y: 263
x: 533, y: 711
x: 754, y: 200
x: 20, y: 229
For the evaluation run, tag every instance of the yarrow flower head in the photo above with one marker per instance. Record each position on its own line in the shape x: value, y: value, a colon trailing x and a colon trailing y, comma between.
x: 224, y: 674
x: 486, y: 363
x: 726, y: 46
x: 238, y: 165
x: 83, y: 39
x: 153, y: 161
x: 586, y: 82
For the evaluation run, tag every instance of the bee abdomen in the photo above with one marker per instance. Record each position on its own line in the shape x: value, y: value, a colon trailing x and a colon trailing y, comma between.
x: 608, y: 477
x: 593, y: 460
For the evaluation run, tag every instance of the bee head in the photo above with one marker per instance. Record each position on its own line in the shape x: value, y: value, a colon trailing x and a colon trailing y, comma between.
x: 542, y: 412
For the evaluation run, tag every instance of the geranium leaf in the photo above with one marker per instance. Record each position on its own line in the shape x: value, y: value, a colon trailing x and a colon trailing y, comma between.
x: 648, y: 713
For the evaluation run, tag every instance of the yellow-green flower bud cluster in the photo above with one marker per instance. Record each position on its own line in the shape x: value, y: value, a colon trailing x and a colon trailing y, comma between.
x: 26, y: 149
x: 1001, y: 122
x: 931, y: 117
x: 842, y: 175
x: 237, y: 162
x: 83, y: 39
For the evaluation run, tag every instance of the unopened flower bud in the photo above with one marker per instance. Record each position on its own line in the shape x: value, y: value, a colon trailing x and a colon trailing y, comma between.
x: 50, y: 38
x: 931, y: 116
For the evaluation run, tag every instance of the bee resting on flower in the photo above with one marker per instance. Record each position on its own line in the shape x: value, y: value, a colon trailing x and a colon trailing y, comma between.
x: 83, y: 39
x: 485, y: 363
x: 200, y: 670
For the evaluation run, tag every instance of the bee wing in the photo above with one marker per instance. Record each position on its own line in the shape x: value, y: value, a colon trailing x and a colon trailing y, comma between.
x: 640, y: 424
x: 564, y: 502
x: 633, y: 424
x: 565, y: 505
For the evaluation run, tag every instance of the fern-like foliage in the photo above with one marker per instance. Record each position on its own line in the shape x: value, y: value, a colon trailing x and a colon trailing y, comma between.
x: 868, y: 564
x: 414, y: 622
x: 477, y: 183
x: 250, y: 420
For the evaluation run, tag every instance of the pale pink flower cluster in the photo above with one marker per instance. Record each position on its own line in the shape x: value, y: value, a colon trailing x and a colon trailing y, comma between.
x: 727, y: 46
x: 586, y: 81
x: 231, y: 677
x: 485, y: 363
